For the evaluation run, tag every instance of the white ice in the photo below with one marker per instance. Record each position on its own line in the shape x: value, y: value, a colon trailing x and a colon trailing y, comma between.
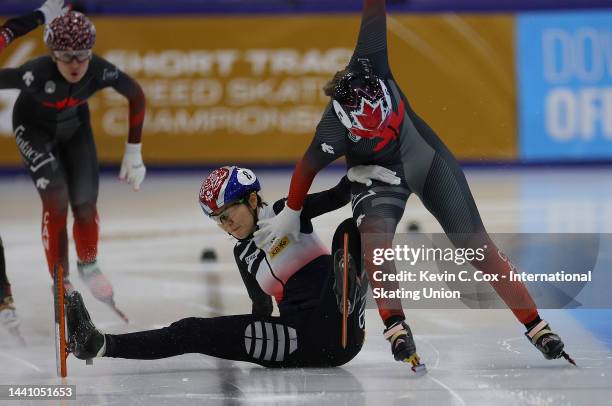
x: 150, y: 248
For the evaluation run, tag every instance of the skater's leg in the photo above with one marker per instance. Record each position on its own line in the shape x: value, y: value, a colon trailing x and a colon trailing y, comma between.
x: 81, y: 163
x: 267, y: 341
x: 42, y: 159
x: 357, y: 279
x: 327, y: 316
x: 377, y: 215
x: 376, y: 211
x: 441, y: 185
x: 447, y: 196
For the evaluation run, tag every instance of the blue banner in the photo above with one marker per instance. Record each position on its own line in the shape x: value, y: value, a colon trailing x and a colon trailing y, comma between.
x: 565, y: 86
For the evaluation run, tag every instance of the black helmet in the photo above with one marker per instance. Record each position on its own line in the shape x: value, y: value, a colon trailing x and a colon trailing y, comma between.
x: 361, y: 101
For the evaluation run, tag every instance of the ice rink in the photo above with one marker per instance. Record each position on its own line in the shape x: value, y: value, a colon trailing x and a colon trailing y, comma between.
x: 150, y: 248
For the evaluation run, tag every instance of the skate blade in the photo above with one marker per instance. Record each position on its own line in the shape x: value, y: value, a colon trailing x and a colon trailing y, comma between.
x: 89, y: 361
x: 417, y: 367
x: 568, y: 358
x: 16, y: 333
x: 113, y: 306
x: 120, y: 314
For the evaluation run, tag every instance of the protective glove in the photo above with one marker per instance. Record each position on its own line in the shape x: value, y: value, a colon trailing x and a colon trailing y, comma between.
x: 285, y: 223
x: 365, y: 173
x: 132, y: 167
x: 52, y: 9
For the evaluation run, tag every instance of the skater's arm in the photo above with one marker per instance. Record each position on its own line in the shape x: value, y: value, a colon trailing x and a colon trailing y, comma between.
x: 132, y: 91
x: 327, y: 146
x: 19, y: 26
x: 11, y: 78
x: 327, y: 200
x: 261, y: 302
x: 16, y: 27
x: 372, y: 40
x: 110, y: 76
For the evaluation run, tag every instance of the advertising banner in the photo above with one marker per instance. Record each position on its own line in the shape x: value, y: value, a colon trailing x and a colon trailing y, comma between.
x: 248, y: 89
x: 565, y: 86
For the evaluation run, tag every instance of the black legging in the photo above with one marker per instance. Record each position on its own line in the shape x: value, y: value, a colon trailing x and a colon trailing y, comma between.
x: 429, y: 170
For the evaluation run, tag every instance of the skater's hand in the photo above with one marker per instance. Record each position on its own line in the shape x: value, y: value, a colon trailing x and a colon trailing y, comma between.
x: 285, y: 223
x: 52, y: 9
x: 132, y: 167
x: 366, y: 173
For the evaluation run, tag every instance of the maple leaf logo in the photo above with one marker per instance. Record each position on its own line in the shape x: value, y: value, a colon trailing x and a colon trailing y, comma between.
x: 369, y: 116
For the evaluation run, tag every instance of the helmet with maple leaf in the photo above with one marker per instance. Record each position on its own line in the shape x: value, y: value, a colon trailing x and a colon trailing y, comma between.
x: 361, y: 101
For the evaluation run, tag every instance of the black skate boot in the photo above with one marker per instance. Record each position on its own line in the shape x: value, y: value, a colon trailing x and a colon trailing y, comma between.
x: 403, y: 347
x: 85, y: 341
x: 357, y: 281
x: 549, y: 343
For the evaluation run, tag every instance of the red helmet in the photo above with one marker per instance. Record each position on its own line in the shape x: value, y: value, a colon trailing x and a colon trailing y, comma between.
x: 362, y: 102
x: 70, y: 31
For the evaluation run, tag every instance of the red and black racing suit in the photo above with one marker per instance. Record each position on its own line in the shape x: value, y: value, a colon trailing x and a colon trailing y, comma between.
x: 53, y: 133
x: 424, y: 164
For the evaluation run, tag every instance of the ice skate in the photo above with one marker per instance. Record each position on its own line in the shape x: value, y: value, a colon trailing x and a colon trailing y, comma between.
x: 9, y: 318
x: 357, y: 281
x: 85, y: 341
x: 403, y: 347
x: 99, y: 285
x: 549, y: 343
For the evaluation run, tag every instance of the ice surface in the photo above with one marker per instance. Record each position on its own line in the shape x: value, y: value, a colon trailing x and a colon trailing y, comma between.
x: 150, y: 248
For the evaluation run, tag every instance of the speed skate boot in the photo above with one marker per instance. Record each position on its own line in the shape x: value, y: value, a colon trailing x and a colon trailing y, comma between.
x: 8, y: 314
x: 95, y: 280
x: 85, y: 341
x: 549, y: 343
x: 357, y: 285
x: 403, y: 347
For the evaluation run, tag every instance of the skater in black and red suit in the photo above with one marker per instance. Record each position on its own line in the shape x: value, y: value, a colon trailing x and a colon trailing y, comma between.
x: 369, y: 121
x: 53, y: 132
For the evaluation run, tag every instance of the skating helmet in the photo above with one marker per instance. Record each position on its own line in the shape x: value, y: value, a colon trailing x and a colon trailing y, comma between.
x: 361, y: 101
x: 70, y: 31
x: 225, y: 185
